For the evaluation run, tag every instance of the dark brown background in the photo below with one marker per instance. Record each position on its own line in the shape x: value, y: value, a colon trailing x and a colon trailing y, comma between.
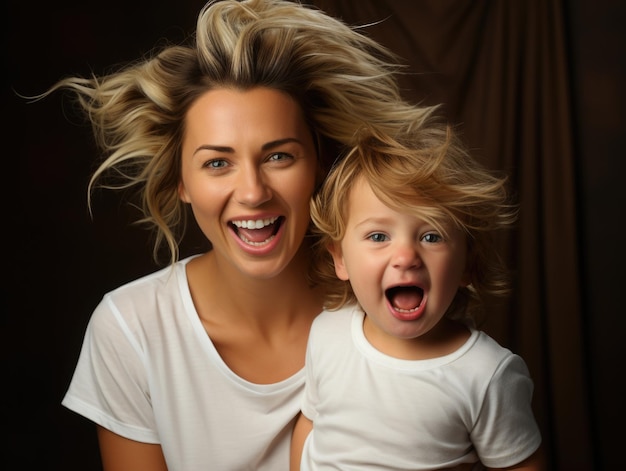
x: 538, y: 88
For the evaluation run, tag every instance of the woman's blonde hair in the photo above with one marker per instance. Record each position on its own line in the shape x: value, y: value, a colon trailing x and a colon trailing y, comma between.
x: 341, y: 78
x: 429, y: 173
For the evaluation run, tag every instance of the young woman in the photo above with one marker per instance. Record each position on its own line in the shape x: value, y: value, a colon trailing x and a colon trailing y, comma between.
x: 199, y: 365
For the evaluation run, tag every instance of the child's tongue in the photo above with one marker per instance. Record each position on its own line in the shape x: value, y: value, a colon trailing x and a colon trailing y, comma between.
x: 406, y: 298
x: 257, y: 235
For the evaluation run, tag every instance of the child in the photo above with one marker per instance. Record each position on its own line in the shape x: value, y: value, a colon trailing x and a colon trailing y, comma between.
x: 398, y: 377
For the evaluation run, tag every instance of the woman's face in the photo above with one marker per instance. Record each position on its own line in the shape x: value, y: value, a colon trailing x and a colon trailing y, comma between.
x: 248, y: 172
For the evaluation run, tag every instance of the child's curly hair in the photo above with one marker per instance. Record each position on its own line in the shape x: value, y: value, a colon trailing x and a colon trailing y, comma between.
x: 425, y: 171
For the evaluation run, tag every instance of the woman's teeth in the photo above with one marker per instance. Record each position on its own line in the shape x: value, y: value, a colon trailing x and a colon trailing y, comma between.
x: 256, y: 232
x: 254, y: 224
x: 251, y: 242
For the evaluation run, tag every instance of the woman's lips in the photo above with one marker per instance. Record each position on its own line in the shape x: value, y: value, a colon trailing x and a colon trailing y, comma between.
x: 257, y: 231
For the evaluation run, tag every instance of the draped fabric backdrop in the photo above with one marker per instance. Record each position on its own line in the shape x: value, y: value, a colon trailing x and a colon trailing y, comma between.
x: 537, y: 90
x: 500, y: 68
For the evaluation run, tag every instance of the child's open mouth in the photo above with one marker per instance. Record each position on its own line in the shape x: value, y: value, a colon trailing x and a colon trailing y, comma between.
x: 405, y: 298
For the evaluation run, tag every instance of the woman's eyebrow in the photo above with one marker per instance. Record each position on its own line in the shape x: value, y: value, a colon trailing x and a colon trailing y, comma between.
x: 279, y: 142
x: 224, y: 149
x: 265, y: 147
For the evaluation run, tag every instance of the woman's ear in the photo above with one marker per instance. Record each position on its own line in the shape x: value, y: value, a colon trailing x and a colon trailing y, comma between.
x: 182, y: 192
x: 340, y: 267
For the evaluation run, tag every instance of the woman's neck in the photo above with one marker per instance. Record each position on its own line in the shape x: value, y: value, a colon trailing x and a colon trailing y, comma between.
x: 259, y: 326
x: 228, y: 293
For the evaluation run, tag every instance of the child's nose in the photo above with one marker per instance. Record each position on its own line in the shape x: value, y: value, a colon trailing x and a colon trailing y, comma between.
x: 406, y: 256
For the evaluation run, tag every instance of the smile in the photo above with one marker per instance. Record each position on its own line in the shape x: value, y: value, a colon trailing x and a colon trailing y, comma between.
x: 257, y: 232
x: 254, y: 223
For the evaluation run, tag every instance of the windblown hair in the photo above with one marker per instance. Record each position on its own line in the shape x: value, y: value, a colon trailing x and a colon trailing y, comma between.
x: 429, y: 173
x: 340, y: 77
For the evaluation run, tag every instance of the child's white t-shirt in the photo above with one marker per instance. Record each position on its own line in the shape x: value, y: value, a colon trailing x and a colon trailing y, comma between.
x: 372, y: 411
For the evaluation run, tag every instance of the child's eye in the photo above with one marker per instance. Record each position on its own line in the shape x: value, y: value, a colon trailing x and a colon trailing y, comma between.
x: 432, y: 238
x: 378, y: 237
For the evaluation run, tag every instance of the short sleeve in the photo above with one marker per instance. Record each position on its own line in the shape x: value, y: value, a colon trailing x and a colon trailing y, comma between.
x: 110, y: 385
x: 506, y: 432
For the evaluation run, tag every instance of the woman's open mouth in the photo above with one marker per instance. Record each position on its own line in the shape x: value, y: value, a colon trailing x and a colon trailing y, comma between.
x: 257, y: 232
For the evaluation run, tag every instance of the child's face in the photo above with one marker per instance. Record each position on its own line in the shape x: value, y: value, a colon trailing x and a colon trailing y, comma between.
x: 402, y: 270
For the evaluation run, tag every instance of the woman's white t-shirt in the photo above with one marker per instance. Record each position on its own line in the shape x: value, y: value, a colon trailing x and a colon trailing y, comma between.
x: 148, y: 371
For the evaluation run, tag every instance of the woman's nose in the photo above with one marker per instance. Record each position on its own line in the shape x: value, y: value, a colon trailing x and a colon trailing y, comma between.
x: 252, y: 189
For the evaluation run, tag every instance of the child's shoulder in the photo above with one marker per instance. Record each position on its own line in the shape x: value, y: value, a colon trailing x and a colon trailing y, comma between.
x: 483, y: 348
x: 337, y: 318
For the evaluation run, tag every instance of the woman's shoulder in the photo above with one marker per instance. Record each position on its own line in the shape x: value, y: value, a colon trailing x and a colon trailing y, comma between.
x: 151, y: 308
x: 164, y: 290
x: 161, y: 280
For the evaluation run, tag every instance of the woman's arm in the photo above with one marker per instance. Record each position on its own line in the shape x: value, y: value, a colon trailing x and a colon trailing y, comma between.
x: 122, y: 454
x: 300, y: 431
x: 534, y: 462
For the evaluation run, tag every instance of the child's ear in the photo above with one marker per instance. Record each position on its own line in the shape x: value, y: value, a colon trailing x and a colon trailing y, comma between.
x: 466, y: 277
x: 466, y: 280
x: 340, y: 267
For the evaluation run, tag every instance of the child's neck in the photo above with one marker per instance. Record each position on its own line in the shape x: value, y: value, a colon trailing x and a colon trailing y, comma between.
x: 445, y: 338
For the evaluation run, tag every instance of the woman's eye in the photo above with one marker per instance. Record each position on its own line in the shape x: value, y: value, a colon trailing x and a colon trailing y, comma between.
x: 278, y: 157
x: 432, y: 238
x: 216, y: 164
x: 378, y: 237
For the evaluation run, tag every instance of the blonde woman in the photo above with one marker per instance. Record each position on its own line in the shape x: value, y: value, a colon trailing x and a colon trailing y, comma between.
x: 200, y: 365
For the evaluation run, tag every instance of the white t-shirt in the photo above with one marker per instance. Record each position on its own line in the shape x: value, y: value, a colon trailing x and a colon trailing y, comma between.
x: 372, y: 411
x: 148, y: 371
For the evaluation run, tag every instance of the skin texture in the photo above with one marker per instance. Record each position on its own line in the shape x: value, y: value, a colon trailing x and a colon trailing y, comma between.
x: 384, y: 248
x: 231, y: 171
x: 119, y: 453
x: 247, y: 155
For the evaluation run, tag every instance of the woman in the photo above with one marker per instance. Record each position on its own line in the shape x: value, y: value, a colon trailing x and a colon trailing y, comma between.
x: 199, y: 365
